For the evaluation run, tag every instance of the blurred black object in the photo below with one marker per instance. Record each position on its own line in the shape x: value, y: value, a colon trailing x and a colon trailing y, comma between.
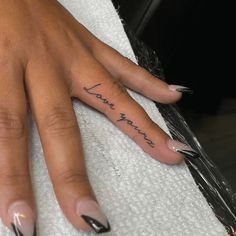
x: 137, y: 13
x: 210, y: 181
x: 194, y: 42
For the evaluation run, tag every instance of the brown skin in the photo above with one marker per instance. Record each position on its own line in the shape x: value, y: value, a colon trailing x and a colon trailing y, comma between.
x: 46, y: 58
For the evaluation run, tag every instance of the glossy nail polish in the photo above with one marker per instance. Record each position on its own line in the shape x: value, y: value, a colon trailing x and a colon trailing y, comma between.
x: 181, y: 89
x: 91, y: 213
x: 182, y: 148
x: 22, y: 219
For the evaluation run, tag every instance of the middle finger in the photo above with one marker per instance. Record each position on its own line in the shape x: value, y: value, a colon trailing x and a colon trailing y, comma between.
x: 61, y: 141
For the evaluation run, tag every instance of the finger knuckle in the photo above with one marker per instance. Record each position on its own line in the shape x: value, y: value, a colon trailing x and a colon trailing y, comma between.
x: 60, y: 122
x: 118, y: 90
x: 74, y: 176
x: 12, y: 125
x: 10, y: 178
x: 125, y: 63
x: 5, y: 43
x: 7, y: 50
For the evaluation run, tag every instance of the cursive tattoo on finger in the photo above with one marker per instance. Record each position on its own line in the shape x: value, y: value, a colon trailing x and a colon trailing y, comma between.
x: 99, y: 96
x: 92, y: 91
x: 123, y: 118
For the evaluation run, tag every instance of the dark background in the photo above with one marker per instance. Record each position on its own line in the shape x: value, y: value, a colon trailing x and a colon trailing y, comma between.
x: 194, y: 41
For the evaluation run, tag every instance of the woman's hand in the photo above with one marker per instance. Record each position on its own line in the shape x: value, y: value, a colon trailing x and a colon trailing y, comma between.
x: 47, y: 57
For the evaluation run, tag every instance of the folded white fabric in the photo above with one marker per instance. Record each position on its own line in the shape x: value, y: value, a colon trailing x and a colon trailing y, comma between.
x: 139, y: 195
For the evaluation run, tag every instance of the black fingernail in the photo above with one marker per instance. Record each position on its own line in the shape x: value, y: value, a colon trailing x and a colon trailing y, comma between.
x: 96, y: 225
x: 188, y: 153
x: 184, y: 90
x: 19, y: 233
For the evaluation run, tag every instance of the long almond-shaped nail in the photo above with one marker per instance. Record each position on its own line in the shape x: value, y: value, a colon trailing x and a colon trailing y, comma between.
x: 92, y: 214
x: 182, y: 148
x: 22, y: 219
x: 181, y: 89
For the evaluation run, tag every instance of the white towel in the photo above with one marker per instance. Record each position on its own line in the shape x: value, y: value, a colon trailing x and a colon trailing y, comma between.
x: 139, y: 195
